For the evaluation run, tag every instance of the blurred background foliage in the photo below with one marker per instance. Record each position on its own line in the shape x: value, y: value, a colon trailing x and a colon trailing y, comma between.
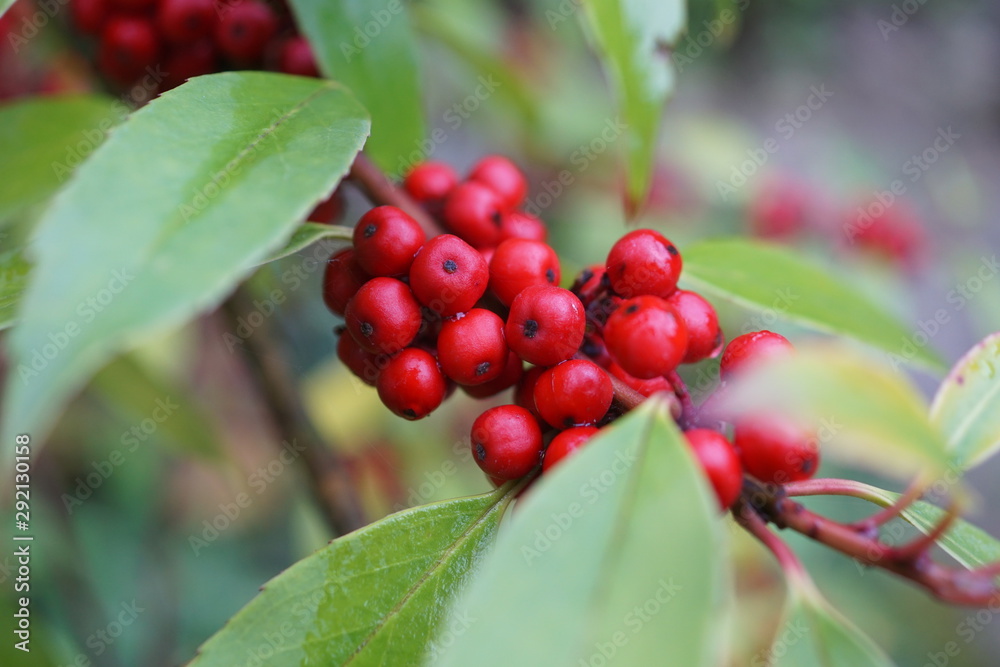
x: 129, y: 569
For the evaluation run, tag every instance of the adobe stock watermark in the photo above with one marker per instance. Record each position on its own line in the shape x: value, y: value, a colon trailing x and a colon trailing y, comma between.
x: 913, y: 170
x: 258, y: 482
x: 369, y: 31
x: 87, y: 311
x: 968, y: 629
x: 784, y: 129
x: 101, y: 471
x: 581, y: 158
x: 957, y: 298
x: 898, y: 17
x: 103, y: 638
x: 787, y: 639
x: 458, y: 624
x: 633, y: 622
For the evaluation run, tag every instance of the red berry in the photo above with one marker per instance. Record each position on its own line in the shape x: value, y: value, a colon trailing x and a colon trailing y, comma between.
x: 245, y: 29
x: 644, y: 262
x: 519, y: 263
x: 296, y: 57
x: 471, y: 348
x: 719, y: 461
x: 385, y: 241
x: 129, y: 44
x: 329, y: 209
x: 574, y: 393
x: 430, y: 182
x: 342, y: 279
x: 185, y: 21
x: 590, y: 283
x: 645, y: 387
x: 775, y: 450
x: 132, y: 6
x: 701, y: 322
x: 778, y: 210
x: 472, y: 211
x: 503, y: 177
x: 745, y: 350
x: 565, y: 444
x: 189, y: 61
x: 545, y: 325
x: 520, y: 225
x: 506, y: 442
x: 411, y: 384
x: 90, y: 15
x: 512, y: 372
x: 448, y: 275
x: 524, y: 395
x: 646, y: 337
x: 383, y: 316
x: 364, y: 364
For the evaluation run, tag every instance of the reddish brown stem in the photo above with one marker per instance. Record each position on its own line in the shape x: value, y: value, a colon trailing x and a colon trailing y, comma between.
x: 381, y: 190
x: 688, y: 410
x: 749, y: 519
x: 887, y: 514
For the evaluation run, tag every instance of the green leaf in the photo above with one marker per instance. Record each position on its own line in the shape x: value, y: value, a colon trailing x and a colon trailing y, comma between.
x: 14, y: 271
x: 766, y: 277
x: 44, y: 140
x: 967, y: 405
x: 312, y: 232
x: 621, y: 550
x: 634, y: 38
x: 371, y: 49
x: 864, y: 413
x: 814, y: 633
x: 164, y: 219
x: 373, y: 597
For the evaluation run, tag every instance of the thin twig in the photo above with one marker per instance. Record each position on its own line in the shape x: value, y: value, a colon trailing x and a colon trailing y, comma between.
x: 688, y: 411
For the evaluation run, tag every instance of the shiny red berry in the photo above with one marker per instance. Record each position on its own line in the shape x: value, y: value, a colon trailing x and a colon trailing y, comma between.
x: 503, y: 177
x: 719, y: 461
x: 646, y: 337
x: 643, y: 262
x: 296, y: 57
x: 364, y: 364
x: 524, y: 394
x: 702, y: 323
x: 448, y: 275
x: 565, y: 444
x: 646, y: 387
x: 520, y: 225
x: 244, y: 30
x: 574, y: 393
x: 186, y: 21
x: 328, y: 210
x: 545, y: 325
x: 746, y: 350
x: 383, y: 316
x: 129, y: 44
x: 385, y: 241
x: 342, y: 279
x: 520, y: 263
x: 132, y: 6
x: 471, y: 347
x: 430, y: 182
x: 90, y: 15
x: 411, y: 384
x: 512, y: 373
x: 506, y: 442
x: 774, y: 449
x: 472, y: 211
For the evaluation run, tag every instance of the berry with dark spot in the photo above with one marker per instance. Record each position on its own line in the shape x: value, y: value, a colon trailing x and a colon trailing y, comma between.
x: 471, y: 348
x: 129, y: 44
x: 385, y: 241
x: 644, y: 262
x: 545, y: 325
x: 574, y: 393
x: 519, y: 263
x: 186, y: 21
x: 513, y: 371
x: 244, y: 30
x: 506, y: 442
x: 646, y: 337
x: 774, y: 449
x: 448, y: 275
x: 383, y: 316
x: 411, y: 384
x: 472, y: 211
x: 430, y: 182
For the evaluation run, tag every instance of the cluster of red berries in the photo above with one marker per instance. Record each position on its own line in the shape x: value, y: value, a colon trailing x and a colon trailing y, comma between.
x: 188, y: 38
x: 469, y: 308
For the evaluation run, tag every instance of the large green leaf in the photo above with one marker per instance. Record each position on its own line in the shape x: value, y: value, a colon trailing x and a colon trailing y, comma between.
x: 44, y: 140
x: 14, y: 271
x: 815, y: 634
x: 767, y: 277
x: 619, y: 554
x: 165, y: 217
x: 864, y: 413
x: 635, y: 38
x: 313, y: 232
x: 373, y: 597
x: 370, y: 48
x: 967, y: 405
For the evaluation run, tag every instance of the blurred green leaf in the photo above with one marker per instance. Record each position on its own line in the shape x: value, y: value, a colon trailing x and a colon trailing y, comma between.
x: 634, y: 38
x: 864, y: 414
x: 814, y: 633
x: 143, y: 396
x: 14, y: 271
x: 371, y: 49
x: 163, y: 220
x: 766, y: 277
x: 967, y: 405
x: 44, y: 140
x: 621, y: 552
x: 372, y: 597
x: 312, y: 232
